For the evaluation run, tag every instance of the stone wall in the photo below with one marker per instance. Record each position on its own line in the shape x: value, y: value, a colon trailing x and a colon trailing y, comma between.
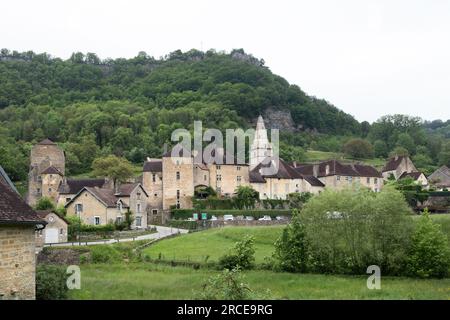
x: 17, y: 262
x: 184, y: 186
x: 228, y: 177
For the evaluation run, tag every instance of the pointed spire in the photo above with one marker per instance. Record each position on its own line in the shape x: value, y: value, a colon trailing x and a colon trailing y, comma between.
x: 260, y: 124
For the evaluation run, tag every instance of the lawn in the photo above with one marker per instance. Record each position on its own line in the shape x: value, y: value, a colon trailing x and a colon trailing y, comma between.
x: 211, y: 244
x: 151, y: 281
x: 315, y: 156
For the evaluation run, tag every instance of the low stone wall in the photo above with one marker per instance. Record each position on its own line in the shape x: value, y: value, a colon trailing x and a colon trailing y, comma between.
x: 17, y: 262
x: 92, y: 236
x: 242, y: 223
x: 58, y: 256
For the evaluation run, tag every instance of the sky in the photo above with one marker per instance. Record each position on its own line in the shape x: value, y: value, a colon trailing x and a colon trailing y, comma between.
x: 368, y: 58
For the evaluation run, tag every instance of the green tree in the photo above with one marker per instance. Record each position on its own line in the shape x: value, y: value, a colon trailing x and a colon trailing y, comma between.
x: 406, y: 141
x: 241, y: 256
x: 380, y: 149
x: 292, y: 248
x: 118, y: 169
x: 429, y: 255
x: 358, y: 148
x: 45, y: 203
x: 246, y: 197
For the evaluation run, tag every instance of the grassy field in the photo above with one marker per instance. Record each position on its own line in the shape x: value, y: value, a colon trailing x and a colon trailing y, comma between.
x: 314, y: 155
x: 146, y: 280
x: 150, y: 281
x: 209, y: 245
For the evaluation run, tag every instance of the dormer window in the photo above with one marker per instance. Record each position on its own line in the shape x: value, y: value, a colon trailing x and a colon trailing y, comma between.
x: 119, y: 205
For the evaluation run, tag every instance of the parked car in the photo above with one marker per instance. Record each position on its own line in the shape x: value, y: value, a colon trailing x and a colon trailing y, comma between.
x: 249, y: 218
x: 228, y: 217
x: 280, y: 218
x: 213, y: 218
x: 265, y: 218
x: 240, y: 218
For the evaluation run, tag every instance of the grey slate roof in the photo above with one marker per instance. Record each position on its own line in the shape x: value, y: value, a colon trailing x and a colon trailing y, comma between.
x: 14, y: 210
x: 73, y: 186
x: 153, y: 166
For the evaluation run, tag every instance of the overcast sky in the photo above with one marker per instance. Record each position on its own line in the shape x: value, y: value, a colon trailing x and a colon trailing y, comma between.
x: 369, y: 58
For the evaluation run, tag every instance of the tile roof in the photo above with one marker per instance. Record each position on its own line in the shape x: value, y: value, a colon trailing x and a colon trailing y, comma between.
x: 313, y: 181
x: 5, y: 179
x: 285, y: 171
x: 441, y: 177
x: 13, y: 210
x: 52, y: 170
x: 73, y: 186
x: 393, y: 163
x: 414, y: 175
x: 153, y: 166
x: 44, y: 213
x: 337, y: 168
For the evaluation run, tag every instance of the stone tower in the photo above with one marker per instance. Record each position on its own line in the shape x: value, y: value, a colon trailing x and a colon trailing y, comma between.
x: 47, y: 169
x: 261, y: 148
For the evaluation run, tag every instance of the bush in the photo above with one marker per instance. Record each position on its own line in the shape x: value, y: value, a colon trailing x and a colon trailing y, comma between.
x: 429, y: 255
x: 229, y: 285
x: 51, y: 282
x: 241, y: 256
x: 45, y: 203
x: 358, y: 148
x: 351, y: 229
x: 291, y: 249
x: 105, y: 254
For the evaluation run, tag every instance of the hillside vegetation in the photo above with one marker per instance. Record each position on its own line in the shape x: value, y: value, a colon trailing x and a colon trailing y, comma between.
x: 129, y: 107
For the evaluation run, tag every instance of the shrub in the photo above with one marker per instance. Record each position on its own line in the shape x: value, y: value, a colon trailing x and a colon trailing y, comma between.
x: 242, y: 255
x: 51, y: 282
x: 45, y: 203
x: 351, y: 229
x: 429, y: 255
x: 229, y: 285
x: 291, y: 249
x: 358, y: 148
x: 105, y: 254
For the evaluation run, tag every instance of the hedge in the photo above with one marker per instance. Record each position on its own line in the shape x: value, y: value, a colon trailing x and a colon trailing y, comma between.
x: 187, y: 213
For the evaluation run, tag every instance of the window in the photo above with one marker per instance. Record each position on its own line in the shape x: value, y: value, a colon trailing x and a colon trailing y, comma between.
x: 238, y: 168
x: 154, y: 177
x: 219, y: 189
x: 155, y: 195
x: 350, y: 179
x: 79, y: 208
x: 178, y: 162
x: 178, y: 204
x: 178, y: 175
x: 39, y: 178
x: 338, y: 178
x: 138, y: 196
x: 119, y: 205
x: 138, y: 207
x: 218, y: 167
x: 219, y: 177
x: 204, y: 177
x: 96, y: 221
x: 49, y: 189
x: 376, y: 180
x: 368, y: 180
x: 138, y: 221
x: 51, y: 176
x: 238, y: 178
x: 178, y: 194
x: 119, y: 219
x: 154, y: 211
x: 61, y: 231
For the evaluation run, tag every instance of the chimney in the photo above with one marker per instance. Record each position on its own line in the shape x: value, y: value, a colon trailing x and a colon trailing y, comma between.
x: 315, y: 170
x: 117, y: 187
x: 327, y: 169
x: 294, y: 164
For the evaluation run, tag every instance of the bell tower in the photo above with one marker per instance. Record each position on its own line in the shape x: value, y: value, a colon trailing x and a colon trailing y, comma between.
x: 261, y: 148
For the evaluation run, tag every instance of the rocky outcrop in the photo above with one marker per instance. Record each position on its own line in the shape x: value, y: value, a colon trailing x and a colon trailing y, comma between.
x: 275, y: 118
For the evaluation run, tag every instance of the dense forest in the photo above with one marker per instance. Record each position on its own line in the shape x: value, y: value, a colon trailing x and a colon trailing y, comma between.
x: 129, y: 107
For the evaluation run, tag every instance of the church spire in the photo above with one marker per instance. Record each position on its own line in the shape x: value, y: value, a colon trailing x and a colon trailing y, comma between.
x: 261, y: 148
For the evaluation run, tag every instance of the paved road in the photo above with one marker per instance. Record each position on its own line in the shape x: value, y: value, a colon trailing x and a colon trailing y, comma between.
x: 162, y: 232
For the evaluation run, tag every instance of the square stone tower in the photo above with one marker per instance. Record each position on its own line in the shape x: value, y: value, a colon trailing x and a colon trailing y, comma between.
x: 47, y: 166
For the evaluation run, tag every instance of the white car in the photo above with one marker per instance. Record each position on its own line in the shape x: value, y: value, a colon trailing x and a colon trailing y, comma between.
x: 249, y: 218
x: 279, y: 218
x: 265, y: 218
x: 213, y: 218
x: 228, y: 217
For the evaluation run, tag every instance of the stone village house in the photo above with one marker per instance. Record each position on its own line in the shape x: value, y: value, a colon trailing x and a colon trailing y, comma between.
x: 18, y: 223
x: 100, y: 206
